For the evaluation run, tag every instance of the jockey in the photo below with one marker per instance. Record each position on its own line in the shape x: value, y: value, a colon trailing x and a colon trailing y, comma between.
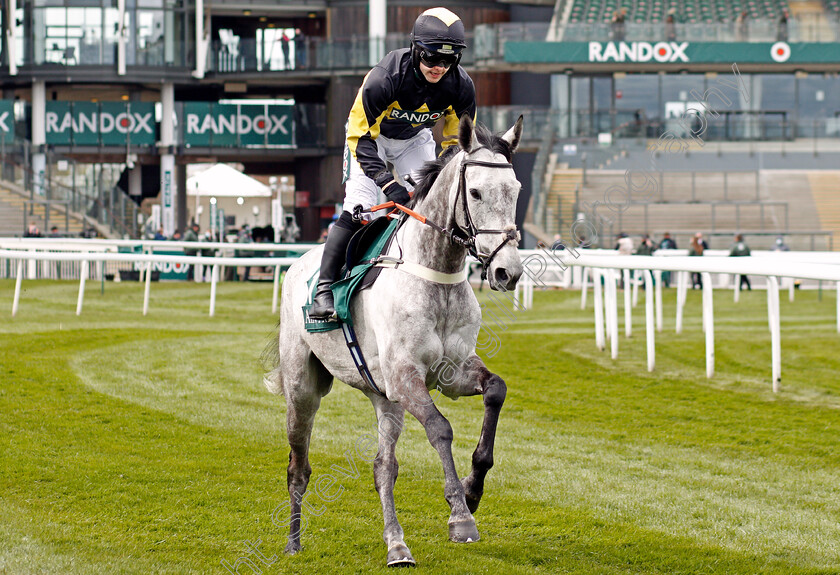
x: 401, y: 98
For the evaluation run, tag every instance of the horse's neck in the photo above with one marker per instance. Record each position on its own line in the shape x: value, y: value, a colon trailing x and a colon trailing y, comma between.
x: 424, y: 245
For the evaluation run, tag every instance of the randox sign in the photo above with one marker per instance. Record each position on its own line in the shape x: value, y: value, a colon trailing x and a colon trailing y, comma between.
x: 100, y: 123
x: 234, y: 125
x: 672, y: 52
x: 7, y: 119
x: 637, y: 52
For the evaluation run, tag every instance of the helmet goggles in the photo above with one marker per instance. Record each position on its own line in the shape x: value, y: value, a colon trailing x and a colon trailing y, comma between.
x: 432, y: 58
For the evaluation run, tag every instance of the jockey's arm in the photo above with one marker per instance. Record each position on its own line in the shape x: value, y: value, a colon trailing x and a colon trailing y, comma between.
x: 372, y: 104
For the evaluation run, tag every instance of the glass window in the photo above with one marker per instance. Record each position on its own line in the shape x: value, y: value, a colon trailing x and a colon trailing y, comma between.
x: 777, y: 91
x: 677, y: 99
x: 819, y: 96
x: 581, y: 119
x: 819, y: 106
x: 637, y: 101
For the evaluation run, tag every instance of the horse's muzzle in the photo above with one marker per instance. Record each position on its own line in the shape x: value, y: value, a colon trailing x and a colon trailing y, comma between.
x: 505, y: 271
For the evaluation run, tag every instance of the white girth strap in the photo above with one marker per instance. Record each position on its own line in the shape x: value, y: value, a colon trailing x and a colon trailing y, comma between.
x: 424, y: 272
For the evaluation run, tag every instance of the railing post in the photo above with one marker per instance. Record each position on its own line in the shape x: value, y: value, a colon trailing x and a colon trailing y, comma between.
x: 775, y: 330
x: 650, y: 334
x: 583, y: 166
x: 599, y: 309
x: 657, y: 276
x: 726, y: 186
x: 628, y: 308
x: 709, y: 321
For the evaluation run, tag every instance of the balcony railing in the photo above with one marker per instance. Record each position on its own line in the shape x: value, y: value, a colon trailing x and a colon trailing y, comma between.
x: 249, y: 55
x: 730, y: 125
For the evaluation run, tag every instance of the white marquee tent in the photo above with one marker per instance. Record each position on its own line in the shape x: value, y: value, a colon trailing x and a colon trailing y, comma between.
x: 222, y: 181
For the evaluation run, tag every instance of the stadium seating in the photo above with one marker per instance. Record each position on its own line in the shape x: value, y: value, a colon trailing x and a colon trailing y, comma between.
x: 686, y: 11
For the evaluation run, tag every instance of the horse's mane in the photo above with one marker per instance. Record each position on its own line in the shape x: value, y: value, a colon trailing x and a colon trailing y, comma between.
x: 430, y: 172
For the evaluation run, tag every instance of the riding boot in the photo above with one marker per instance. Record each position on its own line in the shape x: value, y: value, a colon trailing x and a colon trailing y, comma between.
x: 323, y: 307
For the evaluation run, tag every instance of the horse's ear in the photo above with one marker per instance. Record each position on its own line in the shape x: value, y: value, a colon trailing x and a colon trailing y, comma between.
x: 514, y: 135
x: 465, y: 133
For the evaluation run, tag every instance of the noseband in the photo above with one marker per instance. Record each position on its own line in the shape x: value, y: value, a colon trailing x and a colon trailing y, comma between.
x: 470, y: 231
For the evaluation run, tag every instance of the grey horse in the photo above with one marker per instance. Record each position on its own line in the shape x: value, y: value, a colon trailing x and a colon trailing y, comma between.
x: 417, y: 327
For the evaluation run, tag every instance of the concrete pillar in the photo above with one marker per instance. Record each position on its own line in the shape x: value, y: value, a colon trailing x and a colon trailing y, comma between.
x: 377, y: 28
x: 39, y: 135
x: 167, y: 158
x: 181, y: 197
x: 135, y: 181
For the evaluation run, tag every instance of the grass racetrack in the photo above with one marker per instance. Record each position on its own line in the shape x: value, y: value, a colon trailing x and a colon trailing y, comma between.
x: 136, y: 444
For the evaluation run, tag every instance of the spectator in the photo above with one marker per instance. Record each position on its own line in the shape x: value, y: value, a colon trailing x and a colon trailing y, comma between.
x: 176, y: 236
x: 244, y: 237
x: 780, y: 245
x: 667, y: 244
x: 671, y: 26
x: 741, y: 27
x: 32, y: 232
x: 291, y: 231
x: 284, y: 44
x: 646, y: 248
x: 698, y: 246
x: 741, y: 249
x: 300, y: 49
x: 625, y: 248
x: 54, y: 232
x: 159, y: 235
x: 782, y: 35
x: 191, y: 236
x: 624, y: 245
x: 618, y: 24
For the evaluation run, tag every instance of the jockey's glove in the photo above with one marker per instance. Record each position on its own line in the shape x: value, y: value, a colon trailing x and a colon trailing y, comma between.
x: 395, y: 192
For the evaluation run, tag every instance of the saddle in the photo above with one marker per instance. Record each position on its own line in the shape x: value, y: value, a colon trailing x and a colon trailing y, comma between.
x: 363, y: 251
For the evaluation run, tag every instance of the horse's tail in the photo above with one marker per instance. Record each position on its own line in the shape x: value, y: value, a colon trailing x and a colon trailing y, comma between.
x: 270, y: 359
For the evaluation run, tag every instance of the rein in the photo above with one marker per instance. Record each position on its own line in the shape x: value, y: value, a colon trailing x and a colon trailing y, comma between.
x: 455, y: 235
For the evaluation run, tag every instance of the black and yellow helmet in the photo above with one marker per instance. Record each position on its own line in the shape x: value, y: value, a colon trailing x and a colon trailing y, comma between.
x: 437, y: 38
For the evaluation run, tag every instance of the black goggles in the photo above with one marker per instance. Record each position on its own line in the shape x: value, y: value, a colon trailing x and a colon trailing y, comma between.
x: 432, y: 59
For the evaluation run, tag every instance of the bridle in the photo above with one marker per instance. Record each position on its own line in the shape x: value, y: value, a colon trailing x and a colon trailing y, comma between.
x: 469, y: 229
x: 463, y: 236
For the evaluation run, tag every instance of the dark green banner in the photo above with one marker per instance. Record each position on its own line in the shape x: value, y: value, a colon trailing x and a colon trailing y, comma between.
x: 672, y: 52
x: 7, y: 119
x: 238, y: 125
x: 100, y: 123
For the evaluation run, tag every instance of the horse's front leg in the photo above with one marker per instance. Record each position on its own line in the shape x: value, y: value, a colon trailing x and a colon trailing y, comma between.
x: 385, y: 470
x: 472, y: 379
x: 408, y: 388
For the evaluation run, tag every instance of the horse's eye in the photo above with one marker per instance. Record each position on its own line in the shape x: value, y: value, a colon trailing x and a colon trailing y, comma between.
x: 474, y: 193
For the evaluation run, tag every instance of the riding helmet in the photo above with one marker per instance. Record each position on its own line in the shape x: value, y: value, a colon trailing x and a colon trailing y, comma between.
x: 438, y: 35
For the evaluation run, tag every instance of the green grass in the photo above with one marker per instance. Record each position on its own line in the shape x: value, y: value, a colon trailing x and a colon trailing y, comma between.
x: 136, y: 444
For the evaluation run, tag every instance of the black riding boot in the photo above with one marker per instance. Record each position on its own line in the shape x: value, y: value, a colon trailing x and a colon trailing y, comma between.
x: 331, y: 262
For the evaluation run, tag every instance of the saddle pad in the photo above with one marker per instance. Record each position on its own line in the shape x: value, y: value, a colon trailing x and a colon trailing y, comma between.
x: 360, y: 277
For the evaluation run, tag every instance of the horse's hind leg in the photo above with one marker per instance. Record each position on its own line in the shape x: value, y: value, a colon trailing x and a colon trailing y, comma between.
x: 476, y: 378
x: 385, y: 470
x: 303, y: 392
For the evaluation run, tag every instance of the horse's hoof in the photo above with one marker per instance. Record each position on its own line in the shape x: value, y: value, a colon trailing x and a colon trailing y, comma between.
x: 292, y: 548
x: 463, y: 532
x: 400, y: 556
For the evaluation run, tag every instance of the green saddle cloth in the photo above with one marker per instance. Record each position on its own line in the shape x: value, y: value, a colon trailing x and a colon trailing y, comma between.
x: 344, y: 289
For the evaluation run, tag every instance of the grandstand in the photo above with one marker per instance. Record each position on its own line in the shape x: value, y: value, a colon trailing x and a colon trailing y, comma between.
x: 693, y: 11
x: 718, y: 192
